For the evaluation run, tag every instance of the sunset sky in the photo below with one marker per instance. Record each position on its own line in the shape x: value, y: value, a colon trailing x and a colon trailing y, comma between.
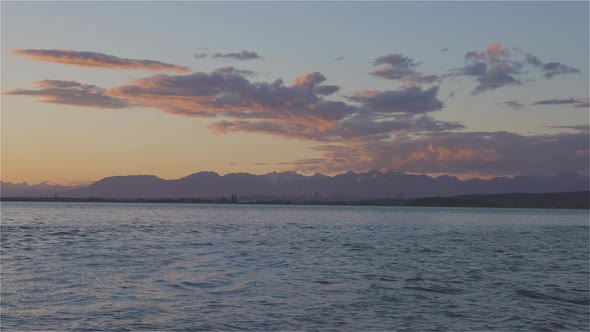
x: 469, y: 89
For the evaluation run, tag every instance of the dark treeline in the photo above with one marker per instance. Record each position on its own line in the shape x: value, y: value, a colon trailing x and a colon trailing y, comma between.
x: 568, y: 200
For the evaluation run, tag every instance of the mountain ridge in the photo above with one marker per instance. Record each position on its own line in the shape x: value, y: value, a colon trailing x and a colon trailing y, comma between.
x: 350, y: 185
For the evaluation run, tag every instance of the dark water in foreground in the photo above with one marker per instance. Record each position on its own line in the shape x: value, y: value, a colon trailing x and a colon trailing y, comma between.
x: 85, y: 266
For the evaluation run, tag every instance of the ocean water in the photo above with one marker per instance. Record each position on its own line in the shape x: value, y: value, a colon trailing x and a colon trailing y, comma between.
x: 175, y: 267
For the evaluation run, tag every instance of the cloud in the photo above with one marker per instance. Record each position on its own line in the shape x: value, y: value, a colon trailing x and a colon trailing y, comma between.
x: 243, y: 55
x: 419, y: 79
x: 398, y: 66
x: 533, y: 60
x: 359, y: 127
x: 407, y: 100
x: 228, y: 92
x: 514, y: 104
x: 401, y: 67
x: 556, y: 101
x: 491, y: 68
x: 71, y: 93
x: 200, y: 55
x: 496, y: 67
x: 494, y: 53
x: 94, y: 59
x: 367, y: 130
x: 479, y: 153
x: 326, y: 90
x: 582, y: 128
x: 552, y: 69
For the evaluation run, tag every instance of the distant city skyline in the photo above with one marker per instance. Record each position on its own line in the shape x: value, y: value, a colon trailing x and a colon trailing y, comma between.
x: 468, y: 89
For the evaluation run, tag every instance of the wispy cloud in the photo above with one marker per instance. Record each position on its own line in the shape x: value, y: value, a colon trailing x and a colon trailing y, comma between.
x: 556, y: 101
x: 243, y: 55
x: 582, y: 128
x: 94, y: 59
x: 71, y: 93
x: 514, y: 104
x: 550, y: 69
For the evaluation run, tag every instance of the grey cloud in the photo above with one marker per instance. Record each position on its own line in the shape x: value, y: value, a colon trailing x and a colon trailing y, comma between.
x: 582, y: 128
x: 552, y: 69
x: 494, y: 68
x: 400, y: 67
x: 397, y: 67
x: 514, y: 104
x: 556, y: 101
x: 243, y: 55
x: 72, y: 93
x: 398, y: 60
x: 533, y: 60
x: 408, y: 100
x: 491, y: 68
x: 326, y: 90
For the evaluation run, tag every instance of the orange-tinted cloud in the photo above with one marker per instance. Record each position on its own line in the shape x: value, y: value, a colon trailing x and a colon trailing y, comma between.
x: 94, y: 59
x: 72, y: 93
x: 477, y: 153
x: 228, y: 92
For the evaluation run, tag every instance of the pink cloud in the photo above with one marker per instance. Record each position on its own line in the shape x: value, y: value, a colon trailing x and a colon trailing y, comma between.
x: 94, y: 59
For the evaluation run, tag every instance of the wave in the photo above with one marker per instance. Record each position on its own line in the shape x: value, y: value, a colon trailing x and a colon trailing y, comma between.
x: 536, y: 295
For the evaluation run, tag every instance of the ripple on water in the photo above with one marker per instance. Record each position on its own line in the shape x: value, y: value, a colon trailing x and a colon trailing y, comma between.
x: 540, y: 296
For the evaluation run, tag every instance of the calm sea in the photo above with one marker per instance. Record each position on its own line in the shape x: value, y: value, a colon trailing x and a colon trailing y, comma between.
x: 174, y: 267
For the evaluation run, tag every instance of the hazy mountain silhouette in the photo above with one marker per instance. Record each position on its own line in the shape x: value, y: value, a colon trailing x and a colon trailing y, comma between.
x: 349, y: 185
x: 25, y: 190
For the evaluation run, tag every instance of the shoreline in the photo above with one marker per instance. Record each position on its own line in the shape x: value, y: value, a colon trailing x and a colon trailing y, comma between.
x: 567, y: 200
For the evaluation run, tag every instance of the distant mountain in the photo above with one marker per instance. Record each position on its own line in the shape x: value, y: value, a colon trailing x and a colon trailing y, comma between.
x: 294, y: 186
x: 8, y: 189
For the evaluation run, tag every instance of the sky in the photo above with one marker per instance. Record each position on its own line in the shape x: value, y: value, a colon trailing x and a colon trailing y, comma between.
x: 468, y: 89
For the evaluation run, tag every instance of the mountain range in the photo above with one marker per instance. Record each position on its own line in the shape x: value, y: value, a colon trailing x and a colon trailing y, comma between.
x: 291, y: 185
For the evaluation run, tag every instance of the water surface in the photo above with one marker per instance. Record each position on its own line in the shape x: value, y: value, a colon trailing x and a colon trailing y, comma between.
x: 97, y: 266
